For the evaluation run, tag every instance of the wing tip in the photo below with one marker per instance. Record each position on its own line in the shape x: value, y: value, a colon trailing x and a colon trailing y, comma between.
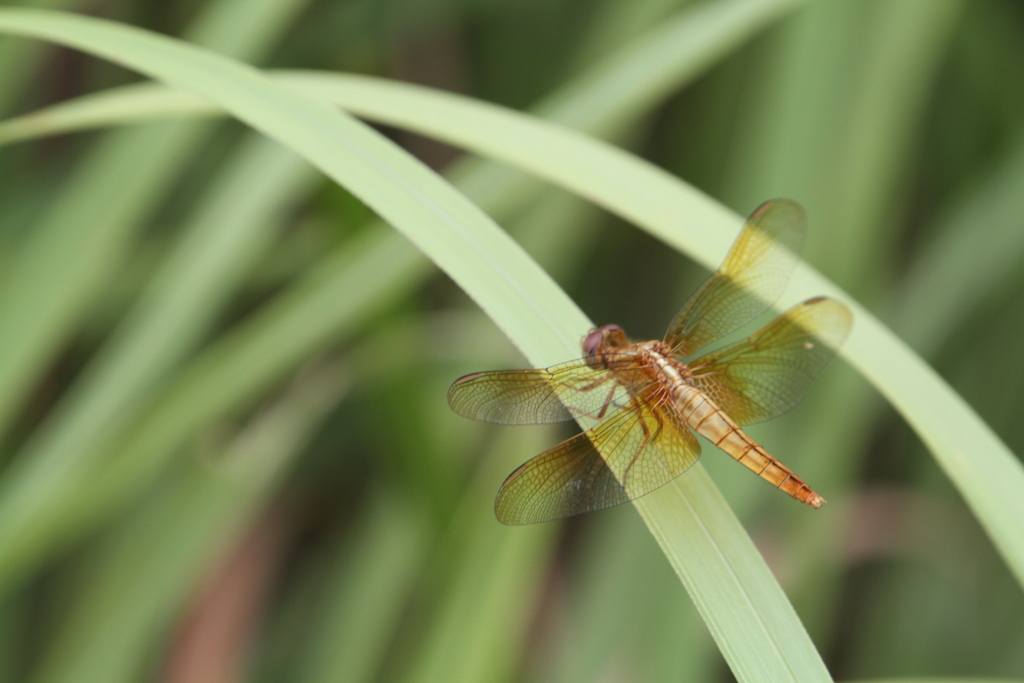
x: 511, y: 517
x: 787, y: 210
x: 841, y: 315
x: 453, y: 396
x: 458, y: 406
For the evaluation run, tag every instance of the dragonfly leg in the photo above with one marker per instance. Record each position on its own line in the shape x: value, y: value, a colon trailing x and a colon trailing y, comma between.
x: 607, y: 402
x: 648, y: 435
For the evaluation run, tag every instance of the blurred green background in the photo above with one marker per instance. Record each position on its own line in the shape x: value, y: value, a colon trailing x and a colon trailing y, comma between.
x: 196, y: 487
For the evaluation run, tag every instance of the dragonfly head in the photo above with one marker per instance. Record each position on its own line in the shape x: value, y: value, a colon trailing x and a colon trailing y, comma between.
x: 604, y: 337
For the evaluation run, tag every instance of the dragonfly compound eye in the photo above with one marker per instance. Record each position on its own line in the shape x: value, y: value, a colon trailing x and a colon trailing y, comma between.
x: 592, y: 341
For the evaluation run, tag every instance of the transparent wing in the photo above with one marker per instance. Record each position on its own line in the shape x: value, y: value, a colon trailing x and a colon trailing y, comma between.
x: 556, y: 394
x: 643, y: 449
x: 766, y: 375
x: 752, y: 277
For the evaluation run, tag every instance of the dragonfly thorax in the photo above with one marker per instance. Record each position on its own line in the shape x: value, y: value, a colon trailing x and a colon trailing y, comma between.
x: 671, y: 374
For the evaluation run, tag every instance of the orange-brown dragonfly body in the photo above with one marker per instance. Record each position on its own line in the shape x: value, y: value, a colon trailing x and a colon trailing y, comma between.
x: 671, y: 383
x: 650, y: 397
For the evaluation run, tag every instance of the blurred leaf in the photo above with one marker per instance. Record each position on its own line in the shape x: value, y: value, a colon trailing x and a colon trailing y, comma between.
x: 75, y: 249
x: 979, y: 241
x: 220, y: 244
x: 368, y: 595
x: 17, y: 58
x: 620, y: 574
x: 149, y: 567
x: 612, y: 94
x: 498, y: 572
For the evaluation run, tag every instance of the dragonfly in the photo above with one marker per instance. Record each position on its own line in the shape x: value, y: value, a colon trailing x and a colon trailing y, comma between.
x: 650, y: 398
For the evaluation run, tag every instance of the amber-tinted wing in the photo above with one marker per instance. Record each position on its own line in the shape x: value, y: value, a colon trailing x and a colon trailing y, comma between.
x: 752, y: 277
x: 766, y: 375
x: 556, y: 394
x: 643, y: 447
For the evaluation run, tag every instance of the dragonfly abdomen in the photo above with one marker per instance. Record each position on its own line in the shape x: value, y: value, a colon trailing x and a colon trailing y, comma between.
x: 709, y: 421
